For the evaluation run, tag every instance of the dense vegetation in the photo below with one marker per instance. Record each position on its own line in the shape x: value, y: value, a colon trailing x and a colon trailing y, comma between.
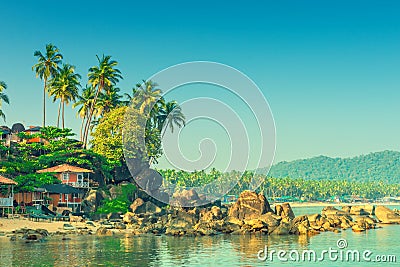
x: 380, y: 166
x: 277, y: 187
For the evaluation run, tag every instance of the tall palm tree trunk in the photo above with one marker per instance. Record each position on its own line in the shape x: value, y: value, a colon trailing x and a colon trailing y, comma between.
x: 44, y: 102
x: 89, y: 120
x: 63, y: 108
x: 81, y: 128
x: 58, y: 116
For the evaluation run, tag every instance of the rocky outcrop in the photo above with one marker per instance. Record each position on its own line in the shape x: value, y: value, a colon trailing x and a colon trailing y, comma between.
x: 29, y: 235
x: 93, y: 200
x: 386, y: 215
x: 139, y: 206
x: 284, y: 210
x: 187, y: 198
x: 250, y: 205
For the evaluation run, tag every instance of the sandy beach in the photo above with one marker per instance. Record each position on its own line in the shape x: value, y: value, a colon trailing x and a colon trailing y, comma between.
x: 9, y: 225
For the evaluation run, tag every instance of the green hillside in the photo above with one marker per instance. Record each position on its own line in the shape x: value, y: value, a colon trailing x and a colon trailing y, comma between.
x: 383, y: 166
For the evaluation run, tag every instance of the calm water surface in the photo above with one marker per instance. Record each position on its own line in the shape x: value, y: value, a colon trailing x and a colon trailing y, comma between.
x: 222, y: 250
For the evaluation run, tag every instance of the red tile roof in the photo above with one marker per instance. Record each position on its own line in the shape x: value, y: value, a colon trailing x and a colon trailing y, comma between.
x: 64, y: 168
x: 4, y: 180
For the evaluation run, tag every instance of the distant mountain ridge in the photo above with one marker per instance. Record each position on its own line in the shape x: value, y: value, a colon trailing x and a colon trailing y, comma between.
x: 384, y: 166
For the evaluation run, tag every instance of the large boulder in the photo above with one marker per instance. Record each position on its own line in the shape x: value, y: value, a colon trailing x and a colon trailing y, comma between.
x: 250, y: 205
x: 93, y: 200
x: 386, y: 215
x: 284, y: 210
x: 140, y: 207
x: 149, y: 180
x: 329, y: 210
x: 362, y: 210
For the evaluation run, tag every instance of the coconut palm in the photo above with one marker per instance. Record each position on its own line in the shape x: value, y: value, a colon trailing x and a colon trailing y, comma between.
x: 170, y: 115
x: 46, y: 68
x: 147, y: 95
x: 84, y: 102
x: 109, y: 100
x: 64, y: 86
x: 3, y: 98
x: 101, y: 77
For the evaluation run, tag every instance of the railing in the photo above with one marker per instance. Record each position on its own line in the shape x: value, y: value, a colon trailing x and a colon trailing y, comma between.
x: 6, y: 202
x: 79, y: 184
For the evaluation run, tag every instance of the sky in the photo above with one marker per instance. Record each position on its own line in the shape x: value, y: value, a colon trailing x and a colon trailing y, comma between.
x: 328, y: 69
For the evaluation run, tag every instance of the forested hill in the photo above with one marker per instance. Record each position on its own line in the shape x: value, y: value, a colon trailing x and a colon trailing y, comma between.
x: 383, y: 166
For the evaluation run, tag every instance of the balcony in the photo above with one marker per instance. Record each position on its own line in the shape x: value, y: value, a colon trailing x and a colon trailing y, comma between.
x: 79, y: 184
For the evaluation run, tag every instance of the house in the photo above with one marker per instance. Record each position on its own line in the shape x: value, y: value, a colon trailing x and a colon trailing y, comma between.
x: 7, y: 196
x: 70, y: 175
x: 63, y: 196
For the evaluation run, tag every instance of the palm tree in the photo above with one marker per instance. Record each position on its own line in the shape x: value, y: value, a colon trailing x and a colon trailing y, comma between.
x: 3, y: 97
x: 47, y: 68
x: 109, y: 100
x: 84, y: 101
x: 101, y: 77
x: 170, y: 115
x: 64, y: 86
x: 147, y: 95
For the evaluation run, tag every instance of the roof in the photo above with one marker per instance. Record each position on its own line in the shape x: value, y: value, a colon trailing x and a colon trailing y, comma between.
x: 4, y: 180
x: 33, y: 129
x: 61, y: 189
x: 64, y: 168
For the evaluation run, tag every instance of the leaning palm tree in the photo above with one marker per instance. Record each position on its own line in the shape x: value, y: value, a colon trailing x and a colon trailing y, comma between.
x: 64, y: 86
x: 47, y: 68
x: 84, y: 102
x: 101, y: 78
x: 170, y: 115
x: 3, y: 98
x: 147, y: 95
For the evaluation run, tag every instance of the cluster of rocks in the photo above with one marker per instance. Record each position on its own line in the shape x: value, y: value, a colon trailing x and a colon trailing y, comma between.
x: 29, y: 235
x: 252, y: 214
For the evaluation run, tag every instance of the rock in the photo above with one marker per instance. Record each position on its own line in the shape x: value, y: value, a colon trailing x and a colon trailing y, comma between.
x: 250, y: 205
x: 256, y: 224
x: 73, y: 218
x: 358, y: 210
x: 284, y: 210
x: 149, y: 180
x: 386, y: 215
x: 68, y: 226
x: 346, y: 209
x: 187, y: 198
x: 181, y: 223
x: 114, y: 216
x: 104, y: 231
x: 119, y: 226
x: 129, y: 218
x: 329, y: 210
x: 313, y: 217
x: 358, y: 228
x: 303, y: 228
x: 271, y: 219
x: 93, y: 200
x: 141, y: 207
x: 282, y: 229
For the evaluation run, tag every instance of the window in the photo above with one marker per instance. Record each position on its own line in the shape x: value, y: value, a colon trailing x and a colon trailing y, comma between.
x: 79, y: 178
x: 65, y: 176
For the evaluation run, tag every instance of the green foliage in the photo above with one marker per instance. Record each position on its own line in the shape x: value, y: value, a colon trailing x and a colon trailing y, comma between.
x: 278, y: 187
x: 28, y: 182
x: 382, y: 166
x: 121, y: 202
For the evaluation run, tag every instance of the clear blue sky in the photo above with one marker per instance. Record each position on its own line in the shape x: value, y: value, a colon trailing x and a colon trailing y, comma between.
x: 329, y: 69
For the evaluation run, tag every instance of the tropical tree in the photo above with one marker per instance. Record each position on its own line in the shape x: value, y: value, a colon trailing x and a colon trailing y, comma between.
x: 47, y: 68
x: 170, y: 115
x: 109, y: 100
x: 84, y: 102
x: 3, y: 98
x: 101, y: 77
x: 65, y: 87
x: 147, y: 95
